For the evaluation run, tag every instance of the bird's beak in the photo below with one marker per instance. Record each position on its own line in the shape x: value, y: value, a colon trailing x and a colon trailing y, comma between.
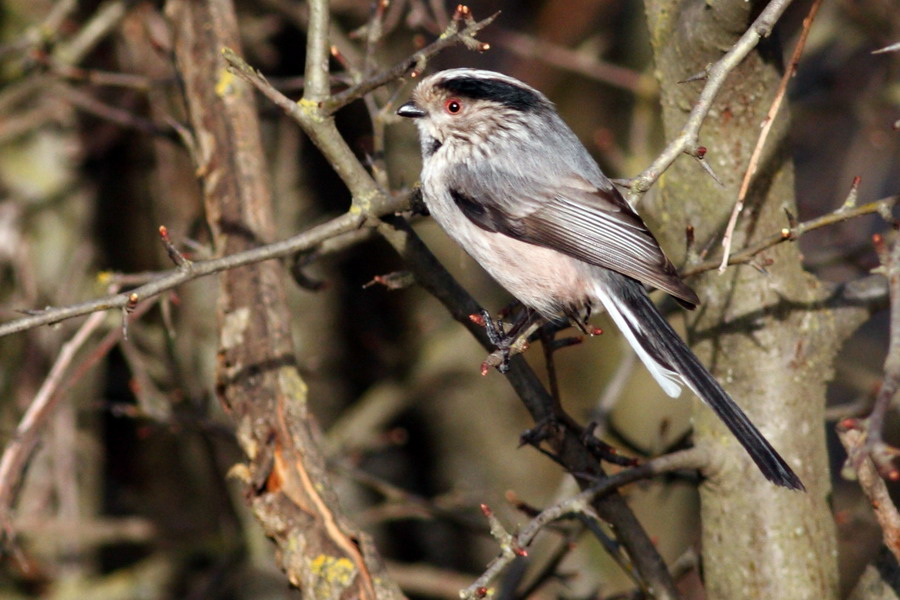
x: 411, y: 110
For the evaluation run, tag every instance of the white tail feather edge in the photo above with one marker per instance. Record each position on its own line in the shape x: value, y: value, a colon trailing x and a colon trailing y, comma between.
x: 669, y: 380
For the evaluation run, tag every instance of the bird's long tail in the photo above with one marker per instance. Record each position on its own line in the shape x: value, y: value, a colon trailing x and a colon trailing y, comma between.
x: 672, y: 362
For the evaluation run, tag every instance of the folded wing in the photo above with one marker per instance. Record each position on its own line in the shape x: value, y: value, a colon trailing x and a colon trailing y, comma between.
x: 590, y: 222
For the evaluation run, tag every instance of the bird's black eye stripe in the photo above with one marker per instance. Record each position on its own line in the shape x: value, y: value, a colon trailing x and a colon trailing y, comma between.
x: 503, y: 92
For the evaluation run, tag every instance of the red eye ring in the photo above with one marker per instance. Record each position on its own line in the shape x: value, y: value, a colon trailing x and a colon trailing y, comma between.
x: 453, y: 106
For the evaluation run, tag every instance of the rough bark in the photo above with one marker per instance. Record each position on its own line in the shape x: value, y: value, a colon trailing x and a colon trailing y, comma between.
x: 257, y: 378
x: 764, y: 334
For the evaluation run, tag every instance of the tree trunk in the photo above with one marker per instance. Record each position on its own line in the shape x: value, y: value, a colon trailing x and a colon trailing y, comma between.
x: 257, y: 377
x: 763, y: 333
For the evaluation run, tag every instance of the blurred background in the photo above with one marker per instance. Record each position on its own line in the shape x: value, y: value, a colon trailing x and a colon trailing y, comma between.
x: 128, y: 496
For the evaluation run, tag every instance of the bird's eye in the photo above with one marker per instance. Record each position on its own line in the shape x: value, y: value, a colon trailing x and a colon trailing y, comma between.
x: 453, y: 106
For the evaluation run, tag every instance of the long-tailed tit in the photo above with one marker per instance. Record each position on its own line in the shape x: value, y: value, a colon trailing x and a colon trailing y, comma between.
x: 510, y: 182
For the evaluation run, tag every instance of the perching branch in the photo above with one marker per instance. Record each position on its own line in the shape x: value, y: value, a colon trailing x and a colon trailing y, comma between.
x: 568, y: 446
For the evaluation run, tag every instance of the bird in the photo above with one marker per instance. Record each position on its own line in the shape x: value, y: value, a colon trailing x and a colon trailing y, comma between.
x: 511, y: 183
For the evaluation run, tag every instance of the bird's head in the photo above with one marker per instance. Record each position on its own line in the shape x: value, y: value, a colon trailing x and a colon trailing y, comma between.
x: 473, y: 107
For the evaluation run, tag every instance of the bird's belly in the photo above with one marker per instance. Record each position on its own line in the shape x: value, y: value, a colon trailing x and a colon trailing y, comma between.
x: 543, y: 279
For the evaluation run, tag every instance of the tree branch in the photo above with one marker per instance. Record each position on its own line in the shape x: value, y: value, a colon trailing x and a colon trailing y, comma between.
x: 168, y: 280
x: 715, y: 75
x: 581, y: 504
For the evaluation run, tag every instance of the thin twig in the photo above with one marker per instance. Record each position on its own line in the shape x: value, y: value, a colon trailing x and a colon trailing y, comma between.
x: 693, y: 458
x: 452, y: 36
x: 166, y: 280
x: 368, y: 199
x: 764, y: 133
x: 583, y: 63
x: 377, y: 116
x: 14, y: 455
x: 17, y: 452
x: 886, y: 49
x: 315, y: 117
x: 854, y: 441
x: 124, y: 118
x: 107, y: 17
x: 883, y: 455
x: 97, y: 77
x: 45, y: 31
x: 844, y: 213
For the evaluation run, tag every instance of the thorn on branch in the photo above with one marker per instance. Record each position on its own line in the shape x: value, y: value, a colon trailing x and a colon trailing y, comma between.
x: 547, y: 428
x: 699, y: 76
x: 397, y: 280
x: 852, y: 196
x: 175, y: 256
x: 603, y: 451
x: 337, y: 55
x: 761, y: 265
x: 418, y: 66
x: 792, y: 219
x: 789, y: 232
x: 699, y: 153
x: 886, y: 49
x: 520, y: 505
x: 498, y: 531
x: 709, y: 170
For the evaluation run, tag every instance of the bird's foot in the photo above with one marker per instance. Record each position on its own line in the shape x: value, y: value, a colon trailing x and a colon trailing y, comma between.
x: 502, y: 340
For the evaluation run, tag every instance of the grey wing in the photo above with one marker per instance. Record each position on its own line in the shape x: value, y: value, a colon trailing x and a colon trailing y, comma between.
x: 576, y: 217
